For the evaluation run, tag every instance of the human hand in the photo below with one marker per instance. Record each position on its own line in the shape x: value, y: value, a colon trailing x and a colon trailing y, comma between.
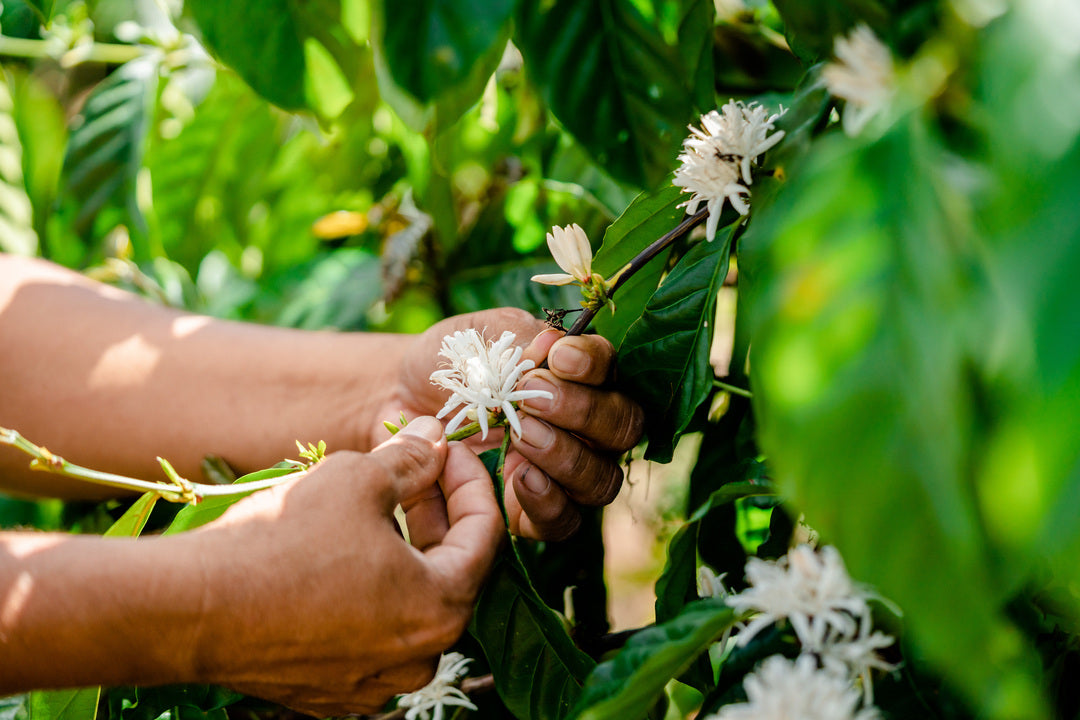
x: 569, y: 453
x: 312, y: 597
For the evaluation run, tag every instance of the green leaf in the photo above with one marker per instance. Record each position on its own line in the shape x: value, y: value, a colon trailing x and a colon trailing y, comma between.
x: 295, y: 54
x: 432, y: 46
x: 615, y: 81
x: 811, y: 28
x: 626, y: 686
x: 665, y: 355
x: 862, y: 278
x: 16, y: 213
x: 132, y: 522
x: 14, y: 707
x: 43, y: 9
x: 210, y: 509
x: 43, y: 135
x: 184, y: 702
x: 538, y: 669
x: 677, y: 584
x: 105, y: 150
x: 79, y: 704
x: 647, y: 218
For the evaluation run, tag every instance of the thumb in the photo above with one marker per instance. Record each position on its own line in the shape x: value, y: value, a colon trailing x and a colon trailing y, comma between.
x: 410, y: 462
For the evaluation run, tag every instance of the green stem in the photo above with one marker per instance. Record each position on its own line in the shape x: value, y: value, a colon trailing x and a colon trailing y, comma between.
x: 179, y: 490
x: 107, y: 53
x: 732, y: 389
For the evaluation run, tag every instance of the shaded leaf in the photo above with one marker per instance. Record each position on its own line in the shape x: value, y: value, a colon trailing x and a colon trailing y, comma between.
x: 538, y: 670
x: 812, y: 28
x: 626, y: 686
x: 16, y: 213
x: 434, y: 47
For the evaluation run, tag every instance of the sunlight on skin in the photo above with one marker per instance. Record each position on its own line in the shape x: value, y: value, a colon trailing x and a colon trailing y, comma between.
x: 188, y: 325
x: 16, y: 600
x: 126, y: 363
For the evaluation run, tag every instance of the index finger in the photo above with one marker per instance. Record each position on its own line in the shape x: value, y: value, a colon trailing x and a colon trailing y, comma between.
x: 468, y: 549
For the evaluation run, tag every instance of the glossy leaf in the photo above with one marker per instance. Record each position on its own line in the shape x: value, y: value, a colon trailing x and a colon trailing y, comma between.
x: 43, y: 9
x: 14, y: 707
x: 106, y: 147
x: 132, y: 522
x: 78, y: 704
x: 182, y: 702
x: 647, y: 218
x: 538, y: 669
x: 626, y: 686
x: 865, y: 397
x: 589, y: 60
x: 665, y: 355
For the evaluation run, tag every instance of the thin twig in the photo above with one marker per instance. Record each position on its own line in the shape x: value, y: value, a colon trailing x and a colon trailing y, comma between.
x: 733, y: 389
x: 178, y: 490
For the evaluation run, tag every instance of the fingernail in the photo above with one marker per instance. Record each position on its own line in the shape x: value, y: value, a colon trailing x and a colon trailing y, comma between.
x: 426, y: 427
x: 535, y: 481
x: 538, y: 403
x: 569, y: 360
x: 536, y: 433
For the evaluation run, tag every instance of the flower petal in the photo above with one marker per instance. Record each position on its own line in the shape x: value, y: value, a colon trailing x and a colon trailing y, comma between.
x: 553, y: 279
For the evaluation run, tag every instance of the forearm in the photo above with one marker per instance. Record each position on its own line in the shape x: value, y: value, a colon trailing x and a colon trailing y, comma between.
x: 108, y: 380
x: 79, y: 611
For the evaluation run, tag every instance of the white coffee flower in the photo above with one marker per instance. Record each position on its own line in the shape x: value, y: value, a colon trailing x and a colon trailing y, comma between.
x: 440, y: 692
x: 571, y: 249
x: 784, y: 690
x: 856, y: 656
x: 812, y: 590
x: 482, y: 377
x: 711, y: 585
x: 717, y: 159
x: 863, y: 77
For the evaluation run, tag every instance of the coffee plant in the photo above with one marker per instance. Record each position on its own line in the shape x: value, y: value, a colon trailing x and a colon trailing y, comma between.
x: 887, y: 188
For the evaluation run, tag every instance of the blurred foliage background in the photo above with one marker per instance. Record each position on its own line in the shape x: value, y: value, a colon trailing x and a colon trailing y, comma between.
x: 907, y: 314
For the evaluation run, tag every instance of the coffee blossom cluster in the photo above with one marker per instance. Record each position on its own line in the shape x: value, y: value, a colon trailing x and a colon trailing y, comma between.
x: 811, y: 591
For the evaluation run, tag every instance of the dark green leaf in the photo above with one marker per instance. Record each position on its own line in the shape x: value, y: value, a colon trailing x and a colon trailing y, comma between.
x: 614, y: 81
x: 665, y: 355
x: 491, y: 286
x: 433, y: 46
x: 105, y: 150
x: 811, y: 28
x: 80, y: 704
x: 132, y: 522
x: 186, y: 702
x: 626, y: 686
x: 43, y: 9
x: 538, y: 670
x: 647, y: 218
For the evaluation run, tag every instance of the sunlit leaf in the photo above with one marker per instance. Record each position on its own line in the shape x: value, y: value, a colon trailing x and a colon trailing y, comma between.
x: 78, y: 704
x: 210, y: 509
x: 16, y: 213
x: 132, y: 522
x: 864, y: 393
